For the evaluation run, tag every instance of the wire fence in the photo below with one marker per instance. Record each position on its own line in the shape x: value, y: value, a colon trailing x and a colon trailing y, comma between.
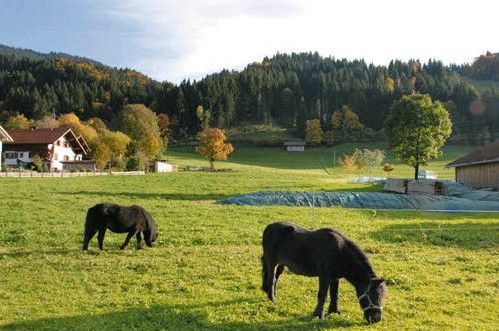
x: 34, y: 174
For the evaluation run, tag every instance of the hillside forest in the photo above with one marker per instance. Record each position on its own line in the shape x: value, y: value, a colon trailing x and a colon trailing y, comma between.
x: 285, y: 91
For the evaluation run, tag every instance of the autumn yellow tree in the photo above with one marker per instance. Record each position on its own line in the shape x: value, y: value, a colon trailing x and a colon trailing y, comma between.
x: 47, y: 122
x: 390, y: 84
x: 86, y: 131
x: 102, y: 155
x: 117, y: 143
x: 314, y: 133
x: 18, y: 122
x: 213, y: 146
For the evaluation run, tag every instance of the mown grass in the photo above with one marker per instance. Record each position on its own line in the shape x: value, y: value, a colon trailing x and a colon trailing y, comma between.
x: 205, y: 272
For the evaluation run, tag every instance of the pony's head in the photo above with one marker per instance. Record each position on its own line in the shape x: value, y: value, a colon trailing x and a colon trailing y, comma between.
x: 151, y: 232
x: 372, y: 298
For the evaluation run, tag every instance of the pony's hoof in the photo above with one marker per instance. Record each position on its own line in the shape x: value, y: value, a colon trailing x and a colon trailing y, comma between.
x: 319, y: 315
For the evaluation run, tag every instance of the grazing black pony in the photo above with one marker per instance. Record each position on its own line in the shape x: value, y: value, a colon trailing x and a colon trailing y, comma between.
x: 325, y: 253
x: 120, y: 219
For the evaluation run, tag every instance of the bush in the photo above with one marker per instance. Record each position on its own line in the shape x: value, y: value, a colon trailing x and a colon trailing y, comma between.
x: 388, y: 167
x: 134, y: 163
x: 349, y: 162
x: 4, y: 168
x: 361, y: 159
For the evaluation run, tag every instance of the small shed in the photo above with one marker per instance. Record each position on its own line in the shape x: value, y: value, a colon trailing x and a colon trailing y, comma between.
x: 162, y: 166
x: 479, y: 168
x: 295, y: 146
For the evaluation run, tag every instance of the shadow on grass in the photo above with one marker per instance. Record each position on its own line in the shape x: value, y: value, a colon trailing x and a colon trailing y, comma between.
x: 175, y: 317
x: 165, y: 196
x: 467, y: 235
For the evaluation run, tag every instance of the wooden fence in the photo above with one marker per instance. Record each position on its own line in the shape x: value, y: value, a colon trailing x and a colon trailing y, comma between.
x: 34, y: 174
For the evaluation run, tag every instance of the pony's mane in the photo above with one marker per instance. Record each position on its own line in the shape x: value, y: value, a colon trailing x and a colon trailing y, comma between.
x: 360, y: 257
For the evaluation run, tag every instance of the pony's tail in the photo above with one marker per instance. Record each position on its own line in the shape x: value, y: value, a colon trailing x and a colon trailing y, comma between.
x: 89, y: 226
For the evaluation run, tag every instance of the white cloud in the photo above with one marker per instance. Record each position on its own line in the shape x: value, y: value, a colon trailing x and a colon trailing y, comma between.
x: 188, y: 39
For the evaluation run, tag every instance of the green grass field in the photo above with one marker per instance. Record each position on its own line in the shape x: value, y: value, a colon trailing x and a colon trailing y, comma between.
x: 442, y: 269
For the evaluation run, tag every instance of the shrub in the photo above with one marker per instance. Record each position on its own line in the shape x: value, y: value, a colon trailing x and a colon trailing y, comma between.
x: 349, y: 162
x: 134, y: 163
x: 388, y: 168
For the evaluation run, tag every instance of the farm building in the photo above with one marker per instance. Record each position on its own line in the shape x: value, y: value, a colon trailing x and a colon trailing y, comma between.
x: 4, y: 137
x: 480, y: 168
x: 295, y: 146
x: 53, y: 146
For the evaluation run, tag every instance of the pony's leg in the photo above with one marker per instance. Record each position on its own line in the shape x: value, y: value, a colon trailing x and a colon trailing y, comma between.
x: 100, y: 238
x: 139, y: 240
x: 324, y: 282
x: 89, y: 234
x: 334, y: 293
x: 278, y: 271
x: 127, y: 240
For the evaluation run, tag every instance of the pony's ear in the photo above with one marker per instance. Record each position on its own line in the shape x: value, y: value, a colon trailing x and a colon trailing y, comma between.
x: 376, y: 281
x: 287, y: 230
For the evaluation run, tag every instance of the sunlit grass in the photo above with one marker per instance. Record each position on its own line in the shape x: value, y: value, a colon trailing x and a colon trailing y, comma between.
x: 205, y: 273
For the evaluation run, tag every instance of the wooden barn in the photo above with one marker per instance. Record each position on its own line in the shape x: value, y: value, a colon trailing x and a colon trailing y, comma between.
x: 480, y: 168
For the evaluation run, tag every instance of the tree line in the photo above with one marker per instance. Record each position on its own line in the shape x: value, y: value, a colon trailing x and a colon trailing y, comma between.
x: 285, y: 90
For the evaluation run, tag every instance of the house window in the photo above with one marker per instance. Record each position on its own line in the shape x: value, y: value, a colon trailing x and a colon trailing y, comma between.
x: 66, y: 158
x: 21, y: 155
x: 10, y: 155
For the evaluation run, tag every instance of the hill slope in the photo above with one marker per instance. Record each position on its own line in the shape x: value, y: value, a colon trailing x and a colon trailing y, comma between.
x: 284, y: 90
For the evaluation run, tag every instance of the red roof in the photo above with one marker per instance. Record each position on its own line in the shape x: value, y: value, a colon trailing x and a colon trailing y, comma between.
x: 487, y: 154
x: 36, y: 136
x: 47, y: 136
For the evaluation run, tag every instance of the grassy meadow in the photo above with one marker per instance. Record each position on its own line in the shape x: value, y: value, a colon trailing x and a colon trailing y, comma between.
x: 204, y: 273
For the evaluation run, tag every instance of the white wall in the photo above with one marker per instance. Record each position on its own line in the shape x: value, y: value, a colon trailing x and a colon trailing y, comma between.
x: 60, y: 152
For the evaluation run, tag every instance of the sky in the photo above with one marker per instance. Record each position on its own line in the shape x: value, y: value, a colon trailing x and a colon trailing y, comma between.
x: 174, y: 40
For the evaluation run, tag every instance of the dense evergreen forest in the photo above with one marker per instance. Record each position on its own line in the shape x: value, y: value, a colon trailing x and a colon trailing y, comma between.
x: 285, y: 90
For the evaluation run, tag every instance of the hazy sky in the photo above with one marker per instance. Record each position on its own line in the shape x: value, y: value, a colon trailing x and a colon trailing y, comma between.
x: 173, y: 40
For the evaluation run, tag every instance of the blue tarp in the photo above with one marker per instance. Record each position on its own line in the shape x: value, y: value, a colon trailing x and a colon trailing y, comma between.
x: 458, y: 198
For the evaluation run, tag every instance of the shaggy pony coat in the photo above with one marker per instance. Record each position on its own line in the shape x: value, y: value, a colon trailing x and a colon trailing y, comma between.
x: 134, y: 220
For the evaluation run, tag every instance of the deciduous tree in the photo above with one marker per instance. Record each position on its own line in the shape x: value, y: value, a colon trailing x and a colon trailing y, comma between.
x: 417, y: 128
x: 212, y: 145
x: 18, y: 121
x: 314, y: 134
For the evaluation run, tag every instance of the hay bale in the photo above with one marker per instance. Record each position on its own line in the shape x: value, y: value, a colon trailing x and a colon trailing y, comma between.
x: 425, y: 186
x: 396, y: 185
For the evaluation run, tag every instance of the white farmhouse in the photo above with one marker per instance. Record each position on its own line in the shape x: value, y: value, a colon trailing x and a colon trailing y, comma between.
x: 4, y: 136
x: 53, y: 146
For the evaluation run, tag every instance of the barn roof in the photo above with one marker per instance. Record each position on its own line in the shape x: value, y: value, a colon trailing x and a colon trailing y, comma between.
x: 47, y: 136
x: 294, y: 143
x: 487, y: 154
x: 4, y: 135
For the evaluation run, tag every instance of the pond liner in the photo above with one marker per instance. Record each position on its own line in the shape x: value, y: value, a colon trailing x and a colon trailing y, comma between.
x: 367, y: 200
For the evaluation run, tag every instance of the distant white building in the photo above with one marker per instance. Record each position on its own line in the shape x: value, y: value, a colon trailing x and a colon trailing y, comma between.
x: 4, y: 137
x: 295, y: 146
x: 53, y: 146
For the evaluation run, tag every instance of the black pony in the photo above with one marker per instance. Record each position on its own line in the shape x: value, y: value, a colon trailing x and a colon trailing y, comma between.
x: 325, y: 253
x: 119, y: 219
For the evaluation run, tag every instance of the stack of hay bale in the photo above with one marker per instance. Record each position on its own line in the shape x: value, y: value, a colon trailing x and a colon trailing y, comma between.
x: 420, y: 186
